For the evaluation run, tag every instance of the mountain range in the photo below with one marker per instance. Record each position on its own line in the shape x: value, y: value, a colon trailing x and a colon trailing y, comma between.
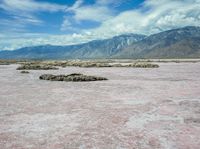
x: 176, y: 43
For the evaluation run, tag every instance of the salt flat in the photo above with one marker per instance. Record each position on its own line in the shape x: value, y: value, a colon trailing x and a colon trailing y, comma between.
x: 135, y: 109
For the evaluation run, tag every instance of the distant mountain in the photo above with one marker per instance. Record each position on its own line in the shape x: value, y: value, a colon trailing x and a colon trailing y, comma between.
x: 176, y: 43
x: 94, y: 49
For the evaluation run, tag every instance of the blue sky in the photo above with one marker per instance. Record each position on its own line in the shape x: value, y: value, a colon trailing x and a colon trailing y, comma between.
x: 63, y: 22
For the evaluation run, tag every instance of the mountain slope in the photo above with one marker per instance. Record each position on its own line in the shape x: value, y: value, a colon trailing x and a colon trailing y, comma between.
x: 94, y: 49
x: 176, y: 43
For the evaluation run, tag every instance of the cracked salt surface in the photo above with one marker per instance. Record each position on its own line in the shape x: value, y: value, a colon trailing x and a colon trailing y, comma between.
x: 136, y: 108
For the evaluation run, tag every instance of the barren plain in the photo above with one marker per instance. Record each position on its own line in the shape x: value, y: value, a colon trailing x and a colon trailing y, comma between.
x: 135, y: 108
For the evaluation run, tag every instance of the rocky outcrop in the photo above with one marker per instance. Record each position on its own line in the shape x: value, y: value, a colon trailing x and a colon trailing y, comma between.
x: 143, y: 65
x: 24, y: 72
x: 36, y: 67
x: 94, y: 63
x: 7, y: 62
x: 75, y: 77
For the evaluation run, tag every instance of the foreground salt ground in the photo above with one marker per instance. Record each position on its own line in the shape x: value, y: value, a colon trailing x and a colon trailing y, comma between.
x: 135, y: 108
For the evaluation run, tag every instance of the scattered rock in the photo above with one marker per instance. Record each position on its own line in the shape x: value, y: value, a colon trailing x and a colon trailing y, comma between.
x: 143, y: 65
x: 75, y: 77
x: 24, y: 72
x: 36, y: 67
x: 102, y: 64
x: 45, y: 65
x: 192, y: 120
x: 8, y: 62
x: 88, y: 64
x: 4, y: 63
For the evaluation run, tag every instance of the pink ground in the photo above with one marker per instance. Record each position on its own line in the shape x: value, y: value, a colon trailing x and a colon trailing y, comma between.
x: 134, y: 109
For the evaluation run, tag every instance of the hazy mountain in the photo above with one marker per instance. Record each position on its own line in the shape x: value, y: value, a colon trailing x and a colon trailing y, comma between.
x: 94, y: 49
x: 176, y: 43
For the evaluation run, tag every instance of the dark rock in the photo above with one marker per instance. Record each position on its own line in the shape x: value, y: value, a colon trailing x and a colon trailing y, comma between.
x: 4, y: 63
x: 36, y: 67
x: 97, y: 64
x: 143, y: 65
x: 75, y: 77
x: 24, y: 72
x: 192, y: 120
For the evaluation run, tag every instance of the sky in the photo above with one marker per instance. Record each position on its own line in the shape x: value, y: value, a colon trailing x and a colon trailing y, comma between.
x: 64, y: 22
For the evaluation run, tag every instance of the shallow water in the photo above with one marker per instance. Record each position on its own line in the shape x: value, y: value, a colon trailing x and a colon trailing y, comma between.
x: 135, y: 108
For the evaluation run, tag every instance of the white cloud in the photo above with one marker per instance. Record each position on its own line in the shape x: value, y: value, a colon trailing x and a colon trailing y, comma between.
x: 11, y: 42
x: 97, y: 12
x: 113, y: 3
x: 66, y: 25
x: 153, y: 17
x: 94, y: 13
x: 29, y: 6
x: 76, y: 5
x: 24, y: 12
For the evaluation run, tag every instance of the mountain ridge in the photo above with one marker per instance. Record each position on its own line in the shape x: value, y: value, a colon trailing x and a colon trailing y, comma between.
x: 176, y: 43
